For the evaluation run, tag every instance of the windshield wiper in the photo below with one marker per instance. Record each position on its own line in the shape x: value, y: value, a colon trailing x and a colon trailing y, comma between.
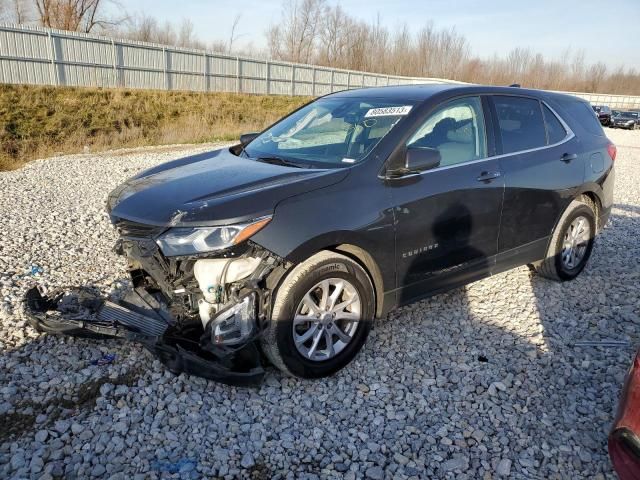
x: 278, y: 161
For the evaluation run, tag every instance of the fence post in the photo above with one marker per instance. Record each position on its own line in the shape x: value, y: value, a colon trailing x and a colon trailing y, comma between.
x: 332, y: 73
x: 54, y: 67
x: 293, y: 80
x: 114, y: 50
x: 206, y: 72
x: 313, y: 82
x: 238, y: 80
x: 349, y: 81
x: 165, y: 68
x: 267, y: 76
x: 387, y: 80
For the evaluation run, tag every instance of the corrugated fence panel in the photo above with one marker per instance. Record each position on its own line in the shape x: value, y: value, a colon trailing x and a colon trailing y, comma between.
x: 86, y: 76
x: 25, y: 45
x: 223, y: 66
x: 280, y: 72
x: 80, y: 50
x: 20, y: 72
x: 143, y: 79
x: 323, y: 76
x: 185, y: 62
x: 36, y: 55
x: 340, y: 78
x: 145, y: 58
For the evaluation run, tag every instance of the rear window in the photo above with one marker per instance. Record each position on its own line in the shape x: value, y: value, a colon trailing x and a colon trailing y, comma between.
x: 555, y: 131
x: 582, y: 113
x: 521, y: 123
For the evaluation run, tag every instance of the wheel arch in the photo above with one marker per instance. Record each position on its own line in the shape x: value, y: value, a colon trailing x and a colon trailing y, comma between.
x: 593, y: 199
x: 355, y: 252
x: 370, y: 266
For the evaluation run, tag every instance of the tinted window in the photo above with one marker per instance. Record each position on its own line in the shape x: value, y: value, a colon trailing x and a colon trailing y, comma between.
x: 580, y: 111
x: 555, y: 131
x: 521, y: 124
x: 456, y: 130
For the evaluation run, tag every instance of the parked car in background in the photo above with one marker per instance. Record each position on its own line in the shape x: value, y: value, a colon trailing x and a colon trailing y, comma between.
x: 604, y: 114
x: 624, y: 438
x: 628, y: 120
x: 288, y: 245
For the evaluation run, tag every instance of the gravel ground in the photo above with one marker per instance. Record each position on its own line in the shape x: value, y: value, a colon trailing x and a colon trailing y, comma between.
x: 482, y: 382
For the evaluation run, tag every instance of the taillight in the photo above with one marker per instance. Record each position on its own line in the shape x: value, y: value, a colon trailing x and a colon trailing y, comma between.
x: 612, y: 150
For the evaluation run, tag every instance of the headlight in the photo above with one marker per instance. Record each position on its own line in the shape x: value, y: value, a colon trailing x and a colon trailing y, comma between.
x: 189, y: 241
x: 235, y: 324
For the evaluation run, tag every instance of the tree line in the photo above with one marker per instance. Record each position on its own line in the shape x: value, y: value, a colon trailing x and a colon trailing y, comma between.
x: 320, y: 33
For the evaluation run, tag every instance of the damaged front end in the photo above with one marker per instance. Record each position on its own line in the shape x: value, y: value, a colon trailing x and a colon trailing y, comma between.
x: 200, y: 312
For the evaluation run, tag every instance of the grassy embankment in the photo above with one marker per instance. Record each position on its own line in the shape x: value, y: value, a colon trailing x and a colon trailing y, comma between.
x: 37, y: 122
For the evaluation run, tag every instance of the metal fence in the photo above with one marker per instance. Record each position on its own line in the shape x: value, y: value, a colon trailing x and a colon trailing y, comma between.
x: 42, y: 56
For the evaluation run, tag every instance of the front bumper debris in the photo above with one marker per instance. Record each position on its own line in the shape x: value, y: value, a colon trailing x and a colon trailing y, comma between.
x: 140, y: 317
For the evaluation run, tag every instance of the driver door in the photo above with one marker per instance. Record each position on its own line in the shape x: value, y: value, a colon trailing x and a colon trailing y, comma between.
x: 447, y: 218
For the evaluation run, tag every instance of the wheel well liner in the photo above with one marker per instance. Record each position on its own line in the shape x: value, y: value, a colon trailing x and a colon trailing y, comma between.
x: 367, y: 262
x: 596, y: 202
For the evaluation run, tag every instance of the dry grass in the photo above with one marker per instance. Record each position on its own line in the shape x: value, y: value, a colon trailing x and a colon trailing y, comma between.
x: 36, y: 122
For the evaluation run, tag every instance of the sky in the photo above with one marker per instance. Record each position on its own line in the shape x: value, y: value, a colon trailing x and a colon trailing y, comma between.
x: 606, y: 30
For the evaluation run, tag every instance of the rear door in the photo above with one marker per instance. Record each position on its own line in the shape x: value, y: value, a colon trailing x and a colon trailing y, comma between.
x: 447, y: 218
x: 543, y: 169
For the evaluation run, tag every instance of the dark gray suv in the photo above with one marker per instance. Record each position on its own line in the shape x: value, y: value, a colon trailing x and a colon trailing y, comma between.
x: 285, y: 247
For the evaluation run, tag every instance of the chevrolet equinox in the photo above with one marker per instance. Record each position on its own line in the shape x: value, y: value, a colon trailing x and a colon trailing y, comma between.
x: 288, y: 245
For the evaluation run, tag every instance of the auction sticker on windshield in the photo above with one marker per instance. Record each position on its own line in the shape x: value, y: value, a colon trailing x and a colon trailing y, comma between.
x: 388, y: 111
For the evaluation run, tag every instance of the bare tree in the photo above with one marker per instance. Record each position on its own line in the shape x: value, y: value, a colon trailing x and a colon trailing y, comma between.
x: 311, y: 31
x: 75, y: 15
x: 596, y: 74
x: 233, y: 36
x: 16, y: 11
x: 295, y: 38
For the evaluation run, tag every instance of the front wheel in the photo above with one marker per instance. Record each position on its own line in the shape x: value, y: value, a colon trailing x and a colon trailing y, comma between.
x: 571, y: 242
x: 321, y: 316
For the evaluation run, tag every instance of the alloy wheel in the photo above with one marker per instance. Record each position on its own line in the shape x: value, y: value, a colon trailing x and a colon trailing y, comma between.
x: 326, y: 319
x: 576, y: 241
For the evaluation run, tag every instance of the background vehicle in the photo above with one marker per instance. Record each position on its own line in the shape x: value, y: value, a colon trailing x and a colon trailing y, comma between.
x: 604, y: 114
x: 624, y: 438
x: 292, y: 242
x: 628, y: 120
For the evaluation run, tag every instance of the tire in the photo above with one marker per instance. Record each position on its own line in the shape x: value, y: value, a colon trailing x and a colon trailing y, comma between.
x: 553, y: 266
x: 323, y: 268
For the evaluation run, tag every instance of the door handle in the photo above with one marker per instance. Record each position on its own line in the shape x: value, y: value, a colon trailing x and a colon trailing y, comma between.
x: 567, y: 157
x: 488, y: 176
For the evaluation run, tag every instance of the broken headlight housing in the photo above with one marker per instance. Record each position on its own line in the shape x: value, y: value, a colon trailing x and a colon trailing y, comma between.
x: 193, y: 240
x: 235, y: 324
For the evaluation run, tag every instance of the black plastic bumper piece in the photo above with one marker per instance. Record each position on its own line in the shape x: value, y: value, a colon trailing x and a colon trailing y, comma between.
x: 97, y: 318
x: 242, y: 369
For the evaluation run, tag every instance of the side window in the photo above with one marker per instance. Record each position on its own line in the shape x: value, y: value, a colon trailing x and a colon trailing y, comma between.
x: 555, y: 131
x: 580, y: 111
x: 521, y: 124
x: 456, y: 130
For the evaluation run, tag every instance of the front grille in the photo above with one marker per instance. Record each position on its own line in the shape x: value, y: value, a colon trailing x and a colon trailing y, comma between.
x: 130, y: 229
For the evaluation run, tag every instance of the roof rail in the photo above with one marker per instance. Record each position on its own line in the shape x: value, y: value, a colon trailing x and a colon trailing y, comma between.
x: 515, y: 85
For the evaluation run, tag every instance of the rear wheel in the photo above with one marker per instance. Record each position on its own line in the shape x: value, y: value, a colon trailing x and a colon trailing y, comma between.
x: 321, y: 316
x: 571, y: 242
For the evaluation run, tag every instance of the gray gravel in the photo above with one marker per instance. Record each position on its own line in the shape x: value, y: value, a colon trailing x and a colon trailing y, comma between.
x: 482, y: 382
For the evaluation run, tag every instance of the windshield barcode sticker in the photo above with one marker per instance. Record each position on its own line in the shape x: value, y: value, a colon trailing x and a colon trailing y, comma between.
x: 388, y: 111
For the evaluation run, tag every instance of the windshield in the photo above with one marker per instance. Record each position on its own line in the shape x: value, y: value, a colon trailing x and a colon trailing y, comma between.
x: 628, y: 115
x: 330, y: 132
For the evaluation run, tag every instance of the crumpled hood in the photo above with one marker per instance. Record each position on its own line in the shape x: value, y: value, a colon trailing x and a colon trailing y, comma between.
x: 212, y: 188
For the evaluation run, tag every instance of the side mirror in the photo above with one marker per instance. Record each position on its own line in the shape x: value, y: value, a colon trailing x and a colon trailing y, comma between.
x: 417, y: 159
x: 246, y: 138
